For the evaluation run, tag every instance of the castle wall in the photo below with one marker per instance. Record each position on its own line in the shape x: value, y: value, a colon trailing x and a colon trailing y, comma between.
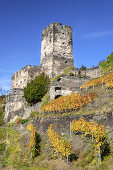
x: 17, y: 106
x: 46, y: 62
x: 93, y: 72
x: 23, y: 76
x: 66, y: 85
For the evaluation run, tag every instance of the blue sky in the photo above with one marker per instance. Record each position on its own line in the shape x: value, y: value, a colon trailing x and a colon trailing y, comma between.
x: 22, y: 21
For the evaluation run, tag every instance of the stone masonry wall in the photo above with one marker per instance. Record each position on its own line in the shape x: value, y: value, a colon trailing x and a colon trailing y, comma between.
x: 56, y: 49
x: 93, y: 72
x: 62, y: 124
x: 23, y: 76
x: 66, y: 85
x: 16, y: 105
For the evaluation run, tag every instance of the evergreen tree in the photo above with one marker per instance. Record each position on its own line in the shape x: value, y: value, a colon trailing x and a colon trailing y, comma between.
x: 36, y: 89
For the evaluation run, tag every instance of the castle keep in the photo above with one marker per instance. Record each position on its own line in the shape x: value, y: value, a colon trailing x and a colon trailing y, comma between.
x: 56, y: 55
x: 56, y: 49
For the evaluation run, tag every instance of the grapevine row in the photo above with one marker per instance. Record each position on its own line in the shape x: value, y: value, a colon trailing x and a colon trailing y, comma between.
x: 90, y: 128
x: 32, y: 129
x: 68, y: 103
x: 107, y: 79
x: 60, y: 145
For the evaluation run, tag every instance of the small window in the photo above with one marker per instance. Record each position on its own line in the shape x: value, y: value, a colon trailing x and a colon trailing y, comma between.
x: 63, y: 33
x: 63, y: 53
x: 57, y: 88
x: 63, y: 43
x: 65, y: 62
x: 59, y: 79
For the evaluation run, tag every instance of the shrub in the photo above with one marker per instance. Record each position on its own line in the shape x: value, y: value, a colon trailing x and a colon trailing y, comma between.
x: 83, y: 67
x: 2, y: 133
x: 56, y: 77
x: 67, y: 70
x: 45, y: 100
x: 36, y: 89
x: 2, y: 147
x: 71, y: 74
x: 23, y: 121
x: 2, y: 113
x: 34, y: 114
x: 105, y: 65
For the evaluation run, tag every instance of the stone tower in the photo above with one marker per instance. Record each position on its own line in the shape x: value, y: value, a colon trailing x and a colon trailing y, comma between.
x: 56, y: 49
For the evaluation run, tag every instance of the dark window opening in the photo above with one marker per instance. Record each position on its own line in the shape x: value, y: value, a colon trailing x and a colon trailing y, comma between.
x: 57, y: 88
x: 63, y: 53
x: 63, y: 32
x: 65, y: 62
x: 59, y: 79
x: 63, y: 43
x: 57, y: 96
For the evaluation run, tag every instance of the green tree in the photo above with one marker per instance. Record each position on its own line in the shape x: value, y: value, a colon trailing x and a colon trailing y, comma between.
x: 109, y: 62
x: 36, y: 89
x: 83, y: 67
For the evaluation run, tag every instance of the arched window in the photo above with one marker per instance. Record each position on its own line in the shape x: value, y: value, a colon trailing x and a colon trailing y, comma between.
x: 57, y: 96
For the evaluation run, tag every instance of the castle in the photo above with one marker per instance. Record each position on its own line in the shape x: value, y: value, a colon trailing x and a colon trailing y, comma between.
x: 56, y: 55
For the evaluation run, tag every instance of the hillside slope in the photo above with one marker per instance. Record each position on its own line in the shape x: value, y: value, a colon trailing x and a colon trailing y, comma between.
x: 15, y: 138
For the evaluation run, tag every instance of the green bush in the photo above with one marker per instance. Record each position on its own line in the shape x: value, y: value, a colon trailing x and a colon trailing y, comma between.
x: 2, y: 99
x: 2, y: 133
x: 71, y: 74
x: 2, y: 109
x: 23, y: 121
x: 105, y: 65
x: 2, y: 147
x: 36, y: 89
x: 67, y: 70
x: 2, y: 113
x: 34, y: 114
x: 45, y: 100
x: 56, y: 77
x: 83, y: 67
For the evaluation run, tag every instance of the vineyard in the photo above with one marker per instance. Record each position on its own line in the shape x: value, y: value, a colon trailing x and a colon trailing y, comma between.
x: 59, y: 145
x: 90, y: 128
x: 106, y: 79
x: 68, y: 103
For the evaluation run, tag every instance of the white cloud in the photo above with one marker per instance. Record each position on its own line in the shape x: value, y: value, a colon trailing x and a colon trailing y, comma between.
x: 97, y: 34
